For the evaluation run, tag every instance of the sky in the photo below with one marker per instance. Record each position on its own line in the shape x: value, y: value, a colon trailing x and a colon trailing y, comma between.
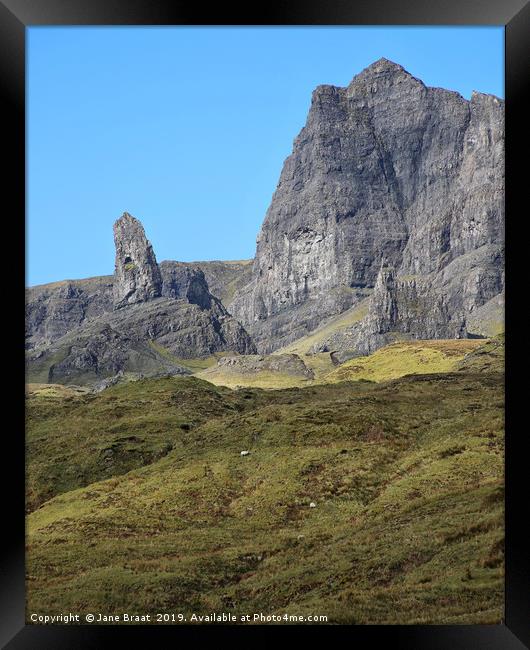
x: 187, y: 128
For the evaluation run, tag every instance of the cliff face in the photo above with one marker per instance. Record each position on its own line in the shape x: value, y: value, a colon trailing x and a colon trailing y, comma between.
x: 54, y: 309
x: 409, y: 307
x: 145, y: 339
x: 399, y: 308
x: 182, y: 281
x: 394, y: 191
x: 385, y: 168
x: 140, y: 321
x: 224, y: 278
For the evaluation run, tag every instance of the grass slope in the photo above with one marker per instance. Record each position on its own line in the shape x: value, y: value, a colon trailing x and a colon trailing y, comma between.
x: 263, y: 379
x: 406, y: 357
x: 485, y: 358
x: 392, y: 361
x: 74, y: 439
x: 407, y: 478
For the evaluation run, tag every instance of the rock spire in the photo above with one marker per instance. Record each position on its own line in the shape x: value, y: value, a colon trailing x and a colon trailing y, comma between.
x: 136, y: 274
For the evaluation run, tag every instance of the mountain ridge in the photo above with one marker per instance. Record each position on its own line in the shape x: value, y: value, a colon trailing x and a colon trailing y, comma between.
x: 384, y: 164
x: 392, y: 197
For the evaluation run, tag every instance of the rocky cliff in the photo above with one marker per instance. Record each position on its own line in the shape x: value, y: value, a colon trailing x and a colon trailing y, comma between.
x: 143, y: 320
x: 399, y: 308
x: 224, y: 278
x: 385, y: 168
x: 54, y: 309
x: 392, y: 200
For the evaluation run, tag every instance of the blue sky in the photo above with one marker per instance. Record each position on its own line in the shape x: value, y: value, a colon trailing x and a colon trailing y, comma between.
x: 187, y: 128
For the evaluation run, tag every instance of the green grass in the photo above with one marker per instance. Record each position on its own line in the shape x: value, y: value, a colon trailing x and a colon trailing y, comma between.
x: 54, y: 390
x: 485, y: 358
x: 390, y: 362
x: 74, y: 439
x: 404, y: 358
x: 320, y: 363
x: 221, y: 376
x: 407, y: 477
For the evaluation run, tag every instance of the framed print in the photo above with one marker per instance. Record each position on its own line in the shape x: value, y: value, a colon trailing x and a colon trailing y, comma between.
x: 265, y: 323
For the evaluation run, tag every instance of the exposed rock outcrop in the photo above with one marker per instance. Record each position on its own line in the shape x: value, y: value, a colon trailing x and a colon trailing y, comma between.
x: 224, y: 278
x: 386, y: 167
x: 399, y: 308
x: 181, y: 280
x: 136, y: 274
x: 54, y: 309
x: 409, y: 306
x: 142, y: 321
x: 101, y: 351
x: 144, y: 338
x: 288, y: 364
x: 393, y: 191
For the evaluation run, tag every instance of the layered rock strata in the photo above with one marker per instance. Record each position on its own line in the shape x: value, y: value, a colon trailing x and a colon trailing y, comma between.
x: 384, y: 168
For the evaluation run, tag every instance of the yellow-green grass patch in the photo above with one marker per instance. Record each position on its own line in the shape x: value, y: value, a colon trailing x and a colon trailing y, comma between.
x: 404, y: 358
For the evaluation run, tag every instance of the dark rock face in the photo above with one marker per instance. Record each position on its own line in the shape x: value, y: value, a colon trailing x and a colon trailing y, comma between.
x: 136, y: 274
x: 383, y: 168
x: 52, y: 310
x: 95, y: 352
x: 140, y: 322
x: 144, y: 339
x: 224, y: 278
x: 407, y: 306
x: 399, y: 308
x: 180, y: 280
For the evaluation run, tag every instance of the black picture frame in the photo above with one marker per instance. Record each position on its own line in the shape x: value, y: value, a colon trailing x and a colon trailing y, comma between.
x: 15, y: 16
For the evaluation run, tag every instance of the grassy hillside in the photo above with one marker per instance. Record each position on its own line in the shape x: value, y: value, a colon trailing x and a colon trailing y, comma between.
x: 390, y: 362
x: 406, y: 357
x: 488, y: 357
x: 263, y: 379
x: 74, y: 439
x: 193, y: 365
x: 406, y: 477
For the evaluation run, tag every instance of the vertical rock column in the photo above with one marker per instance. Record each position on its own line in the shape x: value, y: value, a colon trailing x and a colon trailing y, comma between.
x: 136, y: 274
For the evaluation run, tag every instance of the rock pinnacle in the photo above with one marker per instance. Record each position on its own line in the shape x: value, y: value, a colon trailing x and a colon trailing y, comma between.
x: 136, y: 274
